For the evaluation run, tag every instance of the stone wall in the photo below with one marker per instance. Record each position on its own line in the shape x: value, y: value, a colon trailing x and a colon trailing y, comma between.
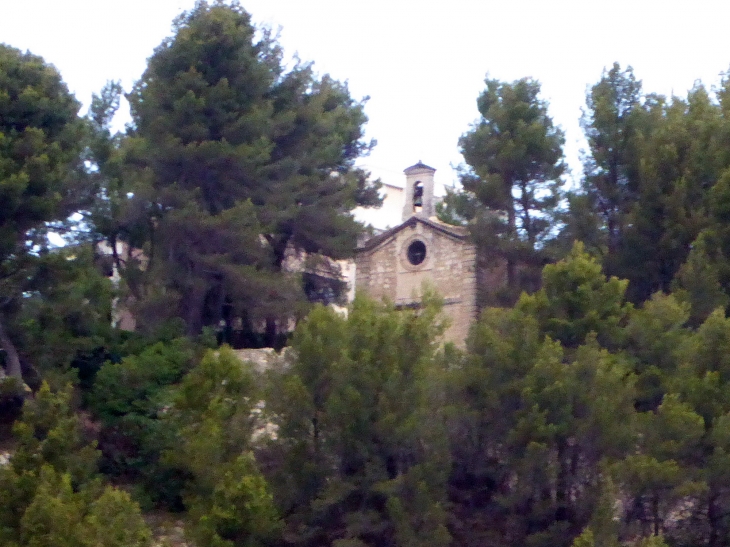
x: 492, y: 283
x: 265, y: 359
x: 449, y: 267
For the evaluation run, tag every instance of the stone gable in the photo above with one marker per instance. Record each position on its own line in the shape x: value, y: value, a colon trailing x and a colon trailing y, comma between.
x: 386, y: 270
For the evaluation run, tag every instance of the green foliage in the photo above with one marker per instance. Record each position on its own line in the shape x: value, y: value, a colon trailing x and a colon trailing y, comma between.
x: 39, y: 143
x: 65, y: 313
x: 576, y: 299
x: 247, y: 161
x: 213, y: 415
x: 610, y: 121
x: 50, y: 432
x: 238, y: 511
x: 137, y: 385
x: 512, y: 180
x: 40, y: 146
x: 513, y: 147
x: 113, y: 520
x: 51, y: 492
x: 60, y: 517
x: 362, y: 437
x: 530, y: 409
x: 212, y: 410
x: 656, y: 338
x: 668, y: 438
x: 130, y: 398
x: 652, y: 185
x: 698, y: 283
x: 680, y: 160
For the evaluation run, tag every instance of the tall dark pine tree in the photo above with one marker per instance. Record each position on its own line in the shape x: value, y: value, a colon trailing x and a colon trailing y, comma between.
x: 679, y: 162
x: 514, y: 161
x: 609, y: 123
x: 40, y: 141
x: 651, y: 163
x: 249, y: 162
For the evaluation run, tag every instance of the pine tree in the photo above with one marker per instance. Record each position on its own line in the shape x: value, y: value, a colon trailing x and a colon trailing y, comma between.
x: 543, y: 408
x: 249, y: 161
x: 609, y: 122
x: 40, y: 150
x: 213, y: 418
x: 514, y: 161
x: 365, y: 458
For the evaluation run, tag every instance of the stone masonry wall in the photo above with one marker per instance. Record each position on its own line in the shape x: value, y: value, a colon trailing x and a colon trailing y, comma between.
x: 449, y: 267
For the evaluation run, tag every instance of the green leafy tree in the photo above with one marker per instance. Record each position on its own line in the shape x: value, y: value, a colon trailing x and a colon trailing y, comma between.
x: 40, y: 149
x: 576, y: 300
x: 65, y: 316
x: 709, y: 253
x: 681, y: 156
x: 122, y: 213
x: 51, y: 492
x: 248, y: 154
x: 661, y: 473
x: 514, y: 161
x: 609, y: 123
x: 649, y: 172
x: 698, y: 283
x: 364, y: 447
x: 214, y: 418
x: 50, y: 432
x: 129, y: 398
x: 655, y: 337
x: 60, y: 517
x: 574, y: 412
x: 486, y: 395
x: 702, y: 382
x: 542, y: 409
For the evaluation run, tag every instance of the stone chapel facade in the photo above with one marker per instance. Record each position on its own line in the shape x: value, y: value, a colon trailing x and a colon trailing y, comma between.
x: 398, y: 263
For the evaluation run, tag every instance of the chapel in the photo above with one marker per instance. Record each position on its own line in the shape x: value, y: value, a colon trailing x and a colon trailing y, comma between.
x: 422, y: 251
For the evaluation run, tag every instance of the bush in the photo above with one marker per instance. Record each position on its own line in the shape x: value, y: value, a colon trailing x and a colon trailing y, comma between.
x: 129, y: 398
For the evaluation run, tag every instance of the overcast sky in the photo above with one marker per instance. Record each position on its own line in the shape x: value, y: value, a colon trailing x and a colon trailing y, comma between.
x: 422, y: 63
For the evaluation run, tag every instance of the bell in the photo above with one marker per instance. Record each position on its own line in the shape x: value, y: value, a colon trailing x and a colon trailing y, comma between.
x: 418, y: 196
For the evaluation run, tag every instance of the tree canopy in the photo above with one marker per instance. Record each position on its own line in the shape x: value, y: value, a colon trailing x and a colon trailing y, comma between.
x: 590, y: 405
x: 512, y: 177
x: 40, y: 143
x: 240, y: 148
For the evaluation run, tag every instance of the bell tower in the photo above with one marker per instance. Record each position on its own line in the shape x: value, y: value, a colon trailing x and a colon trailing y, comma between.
x: 419, y: 191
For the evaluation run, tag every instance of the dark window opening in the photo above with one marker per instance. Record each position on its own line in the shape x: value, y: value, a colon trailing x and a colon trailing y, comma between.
x: 416, y: 252
x: 324, y: 290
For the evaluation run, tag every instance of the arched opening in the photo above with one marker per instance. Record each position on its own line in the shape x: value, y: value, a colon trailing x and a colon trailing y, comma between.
x: 418, y: 197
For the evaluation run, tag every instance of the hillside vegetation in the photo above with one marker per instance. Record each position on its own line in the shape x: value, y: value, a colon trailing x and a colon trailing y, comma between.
x: 590, y: 406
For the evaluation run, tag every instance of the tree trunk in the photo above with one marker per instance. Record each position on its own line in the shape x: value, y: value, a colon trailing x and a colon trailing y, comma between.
x: 511, y: 263
x: 714, y: 519
x: 13, y: 360
x: 612, y: 234
x: 270, y: 335
x: 194, y: 304
x: 562, y: 495
x: 655, y: 513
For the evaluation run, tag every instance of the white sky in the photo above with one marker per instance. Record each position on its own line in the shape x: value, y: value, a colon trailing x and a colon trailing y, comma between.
x: 422, y: 63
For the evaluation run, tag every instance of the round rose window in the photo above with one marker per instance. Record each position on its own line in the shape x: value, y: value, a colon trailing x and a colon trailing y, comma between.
x: 416, y: 252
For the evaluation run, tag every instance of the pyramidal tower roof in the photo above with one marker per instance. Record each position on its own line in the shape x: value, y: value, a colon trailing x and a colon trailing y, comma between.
x: 418, y: 166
